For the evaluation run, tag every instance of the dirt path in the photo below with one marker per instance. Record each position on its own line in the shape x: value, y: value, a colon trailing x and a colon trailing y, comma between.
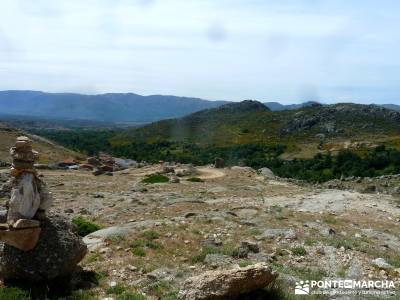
x: 210, y: 173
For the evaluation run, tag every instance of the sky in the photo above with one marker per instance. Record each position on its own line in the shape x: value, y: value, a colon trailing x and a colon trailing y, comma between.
x: 268, y: 50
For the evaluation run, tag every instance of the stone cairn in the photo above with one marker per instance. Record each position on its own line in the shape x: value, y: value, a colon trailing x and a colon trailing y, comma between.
x: 34, y: 246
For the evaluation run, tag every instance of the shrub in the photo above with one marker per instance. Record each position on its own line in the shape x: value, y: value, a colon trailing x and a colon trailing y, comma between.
x: 85, y: 226
x: 139, y: 251
x: 155, y: 178
x: 299, y: 251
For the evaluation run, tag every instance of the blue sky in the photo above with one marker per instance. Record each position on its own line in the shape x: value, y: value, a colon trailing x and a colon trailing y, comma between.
x: 286, y: 51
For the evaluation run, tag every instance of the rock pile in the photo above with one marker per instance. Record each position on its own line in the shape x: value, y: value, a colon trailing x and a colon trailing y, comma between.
x: 107, y: 164
x: 56, y: 254
x: 33, y: 246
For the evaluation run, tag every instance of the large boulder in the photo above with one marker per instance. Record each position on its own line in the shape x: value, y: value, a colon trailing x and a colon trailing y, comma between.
x: 56, y: 255
x: 227, y: 284
x: 267, y: 173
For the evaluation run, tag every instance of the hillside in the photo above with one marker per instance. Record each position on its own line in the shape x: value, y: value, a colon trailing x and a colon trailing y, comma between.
x: 105, y: 107
x: 49, y: 151
x: 392, y: 106
x: 305, y: 131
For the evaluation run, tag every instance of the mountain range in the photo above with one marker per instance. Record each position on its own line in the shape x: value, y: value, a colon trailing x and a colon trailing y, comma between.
x: 113, y: 107
x: 105, y: 107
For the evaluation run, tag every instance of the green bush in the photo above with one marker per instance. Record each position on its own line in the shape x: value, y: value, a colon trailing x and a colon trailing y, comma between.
x: 85, y: 226
x: 155, y: 178
x: 139, y: 251
x: 13, y: 294
x: 299, y: 251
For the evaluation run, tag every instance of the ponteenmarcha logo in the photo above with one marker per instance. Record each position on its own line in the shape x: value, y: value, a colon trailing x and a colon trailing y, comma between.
x: 302, y: 288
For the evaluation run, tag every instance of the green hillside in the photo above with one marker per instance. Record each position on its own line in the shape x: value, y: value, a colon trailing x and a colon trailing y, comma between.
x: 304, y: 132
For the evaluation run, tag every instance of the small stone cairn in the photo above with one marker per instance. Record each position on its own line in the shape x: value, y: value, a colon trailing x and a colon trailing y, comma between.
x: 34, y: 246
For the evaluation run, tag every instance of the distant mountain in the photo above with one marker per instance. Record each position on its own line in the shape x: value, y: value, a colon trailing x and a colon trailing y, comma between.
x: 392, y: 106
x: 251, y: 122
x: 105, y: 107
x: 276, y: 106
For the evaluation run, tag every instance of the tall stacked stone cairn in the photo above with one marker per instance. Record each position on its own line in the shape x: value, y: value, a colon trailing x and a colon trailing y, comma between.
x: 34, y: 245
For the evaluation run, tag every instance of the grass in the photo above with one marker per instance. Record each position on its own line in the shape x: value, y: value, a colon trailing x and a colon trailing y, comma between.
x: 115, y: 239
x: 92, y: 257
x: 298, y: 251
x: 163, y: 290
x: 131, y: 296
x: 13, y: 294
x: 245, y: 263
x: 204, y: 252
x: 119, y: 289
x: 85, y: 226
x: 155, y: 178
x: 80, y: 295
x: 195, y: 179
x: 122, y: 293
x: 348, y: 244
x: 330, y: 219
x: 138, y: 247
x: 150, y: 234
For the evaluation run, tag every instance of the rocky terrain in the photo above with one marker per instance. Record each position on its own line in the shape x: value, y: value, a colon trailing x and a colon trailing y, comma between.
x: 154, y: 236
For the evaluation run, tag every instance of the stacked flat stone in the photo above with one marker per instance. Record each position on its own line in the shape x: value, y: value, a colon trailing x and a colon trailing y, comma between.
x: 24, y: 157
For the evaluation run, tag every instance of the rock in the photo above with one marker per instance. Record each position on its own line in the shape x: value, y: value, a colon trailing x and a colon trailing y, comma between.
x: 245, y: 248
x: 219, y: 163
x: 218, y: 260
x: 122, y: 163
x: 57, y: 253
x: 190, y: 170
x: 253, y: 247
x: 168, y: 170
x: 217, y: 189
x: 86, y: 167
x: 190, y: 214
x: 26, y: 223
x: 227, y: 284
x: 93, y: 161
x: 289, y: 234
x: 161, y: 274
x: 174, y: 179
x: 381, y: 263
x: 327, y: 232
x: 267, y: 173
x: 24, y: 239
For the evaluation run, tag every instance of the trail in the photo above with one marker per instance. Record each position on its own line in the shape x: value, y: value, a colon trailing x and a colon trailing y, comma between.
x: 210, y: 173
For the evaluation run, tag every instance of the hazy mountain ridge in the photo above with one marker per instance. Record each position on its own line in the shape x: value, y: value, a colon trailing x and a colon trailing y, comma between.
x: 105, y: 107
x: 114, y: 107
x: 276, y: 106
